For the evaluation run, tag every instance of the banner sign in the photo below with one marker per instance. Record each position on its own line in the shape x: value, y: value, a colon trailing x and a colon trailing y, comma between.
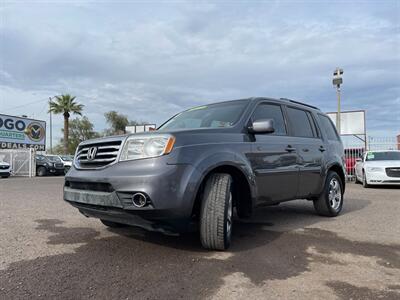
x: 351, y: 122
x: 22, y: 133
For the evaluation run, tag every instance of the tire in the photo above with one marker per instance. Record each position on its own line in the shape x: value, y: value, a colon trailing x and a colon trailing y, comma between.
x: 41, y: 171
x: 112, y: 224
x: 5, y: 176
x: 330, y: 202
x: 364, y: 181
x: 356, y: 179
x: 216, y: 212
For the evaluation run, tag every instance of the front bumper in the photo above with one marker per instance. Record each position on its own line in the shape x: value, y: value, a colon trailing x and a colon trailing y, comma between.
x: 5, y: 173
x: 380, y: 178
x: 56, y: 171
x: 107, y: 193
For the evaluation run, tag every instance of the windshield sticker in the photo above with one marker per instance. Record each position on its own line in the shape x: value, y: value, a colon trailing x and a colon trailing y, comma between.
x: 370, y: 156
x: 198, y: 108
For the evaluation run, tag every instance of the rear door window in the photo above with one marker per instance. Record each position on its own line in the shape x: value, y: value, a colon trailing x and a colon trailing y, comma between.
x: 301, y: 123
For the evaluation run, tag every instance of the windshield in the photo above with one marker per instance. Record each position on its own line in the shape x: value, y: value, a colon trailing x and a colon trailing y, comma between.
x: 218, y: 115
x: 54, y: 158
x: 390, y: 155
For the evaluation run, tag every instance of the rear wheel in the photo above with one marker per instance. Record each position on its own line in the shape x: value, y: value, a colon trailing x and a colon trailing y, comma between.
x: 41, y: 171
x: 112, y: 224
x: 216, y: 212
x: 330, y: 202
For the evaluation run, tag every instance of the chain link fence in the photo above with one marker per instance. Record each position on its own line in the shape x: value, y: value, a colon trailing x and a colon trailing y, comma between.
x: 22, y: 161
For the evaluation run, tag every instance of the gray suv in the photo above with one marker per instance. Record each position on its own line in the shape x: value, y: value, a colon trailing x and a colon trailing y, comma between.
x: 205, y: 162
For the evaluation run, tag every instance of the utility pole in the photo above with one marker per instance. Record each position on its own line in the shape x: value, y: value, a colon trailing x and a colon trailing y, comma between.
x: 337, y: 81
x: 51, y: 128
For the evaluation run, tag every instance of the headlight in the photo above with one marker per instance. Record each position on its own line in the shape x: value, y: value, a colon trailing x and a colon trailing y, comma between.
x: 137, y: 147
x: 375, y: 169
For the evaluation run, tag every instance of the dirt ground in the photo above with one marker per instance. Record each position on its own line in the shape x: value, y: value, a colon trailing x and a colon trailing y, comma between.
x: 48, y: 250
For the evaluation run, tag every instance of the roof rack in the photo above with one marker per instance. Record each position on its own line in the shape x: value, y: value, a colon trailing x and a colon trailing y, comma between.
x: 298, y: 102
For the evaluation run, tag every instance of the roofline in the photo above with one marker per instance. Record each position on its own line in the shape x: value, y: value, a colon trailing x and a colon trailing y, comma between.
x: 300, y: 103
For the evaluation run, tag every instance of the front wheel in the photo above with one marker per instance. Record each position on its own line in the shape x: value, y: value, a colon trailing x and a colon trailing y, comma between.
x: 364, y: 181
x: 216, y: 212
x: 330, y: 202
x: 41, y: 171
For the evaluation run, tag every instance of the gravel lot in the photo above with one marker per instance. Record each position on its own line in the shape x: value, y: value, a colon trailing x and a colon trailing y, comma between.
x: 49, y: 250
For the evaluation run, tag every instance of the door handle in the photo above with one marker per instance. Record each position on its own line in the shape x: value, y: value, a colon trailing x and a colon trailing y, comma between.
x: 322, y: 148
x: 289, y: 148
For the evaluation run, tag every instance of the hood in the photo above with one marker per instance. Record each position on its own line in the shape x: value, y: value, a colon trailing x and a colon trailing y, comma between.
x: 3, y: 163
x: 383, y: 163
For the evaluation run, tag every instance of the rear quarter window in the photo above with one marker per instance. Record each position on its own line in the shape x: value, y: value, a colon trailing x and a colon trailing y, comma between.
x: 328, y: 127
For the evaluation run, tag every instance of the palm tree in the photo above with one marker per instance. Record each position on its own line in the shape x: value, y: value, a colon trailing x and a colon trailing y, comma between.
x: 65, y: 104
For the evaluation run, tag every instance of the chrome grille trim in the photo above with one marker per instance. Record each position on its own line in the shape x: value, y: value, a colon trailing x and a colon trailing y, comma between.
x: 107, y: 153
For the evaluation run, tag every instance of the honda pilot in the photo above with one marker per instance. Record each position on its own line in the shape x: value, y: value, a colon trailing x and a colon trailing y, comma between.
x: 206, y: 163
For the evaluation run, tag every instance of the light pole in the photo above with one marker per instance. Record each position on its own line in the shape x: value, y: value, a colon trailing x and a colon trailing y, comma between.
x: 51, y: 128
x: 51, y: 125
x: 337, y: 81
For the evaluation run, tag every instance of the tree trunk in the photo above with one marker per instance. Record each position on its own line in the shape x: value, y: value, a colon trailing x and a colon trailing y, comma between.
x: 66, y: 132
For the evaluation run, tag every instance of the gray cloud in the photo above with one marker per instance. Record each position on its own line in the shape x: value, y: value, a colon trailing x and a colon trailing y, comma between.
x: 150, y: 61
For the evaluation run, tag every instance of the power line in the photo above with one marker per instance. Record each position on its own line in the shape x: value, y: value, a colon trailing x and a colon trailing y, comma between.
x: 22, y: 105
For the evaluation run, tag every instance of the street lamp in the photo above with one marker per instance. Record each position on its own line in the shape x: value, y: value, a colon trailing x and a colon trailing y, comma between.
x: 337, y: 81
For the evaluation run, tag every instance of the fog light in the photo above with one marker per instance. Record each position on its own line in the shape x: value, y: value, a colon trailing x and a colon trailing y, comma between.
x: 139, y: 200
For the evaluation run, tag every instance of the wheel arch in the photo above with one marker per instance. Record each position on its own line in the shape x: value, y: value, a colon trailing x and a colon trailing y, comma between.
x: 244, y: 194
x: 338, y: 170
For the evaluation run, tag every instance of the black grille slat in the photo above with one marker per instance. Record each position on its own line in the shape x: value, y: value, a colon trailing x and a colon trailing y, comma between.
x: 393, y: 172
x: 107, y: 153
x: 90, y: 186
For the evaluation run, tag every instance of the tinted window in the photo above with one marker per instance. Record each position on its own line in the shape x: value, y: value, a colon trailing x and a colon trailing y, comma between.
x: 274, y: 112
x: 313, y: 126
x: 300, y: 121
x: 328, y: 127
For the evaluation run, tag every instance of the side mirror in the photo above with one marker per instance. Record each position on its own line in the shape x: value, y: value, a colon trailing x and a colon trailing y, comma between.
x: 358, y: 159
x: 262, y: 126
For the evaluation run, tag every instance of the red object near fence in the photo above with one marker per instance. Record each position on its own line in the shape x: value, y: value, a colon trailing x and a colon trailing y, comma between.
x: 351, y: 155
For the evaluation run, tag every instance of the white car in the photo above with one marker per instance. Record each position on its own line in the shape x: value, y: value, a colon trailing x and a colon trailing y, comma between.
x: 378, y: 167
x: 5, y: 169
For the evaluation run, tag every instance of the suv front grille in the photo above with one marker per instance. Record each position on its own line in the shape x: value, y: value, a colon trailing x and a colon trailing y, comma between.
x: 393, y: 172
x: 105, y: 154
x: 59, y: 165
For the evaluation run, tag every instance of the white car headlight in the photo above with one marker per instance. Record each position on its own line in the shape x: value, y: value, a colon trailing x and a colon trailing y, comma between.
x: 374, y: 169
x: 138, y: 147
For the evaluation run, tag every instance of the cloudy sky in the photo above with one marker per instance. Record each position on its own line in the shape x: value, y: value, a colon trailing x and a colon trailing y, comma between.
x: 151, y: 59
